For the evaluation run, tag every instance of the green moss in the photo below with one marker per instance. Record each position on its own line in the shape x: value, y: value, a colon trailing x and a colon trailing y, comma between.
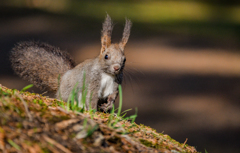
x: 19, y: 125
x: 148, y: 143
x: 158, y: 145
x: 34, y: 101
x: 3, y: 93
x: 29, y: 143
x: 3, y: 121
x: 17, y: 110
x: 9, y: 91
x: 55, y: 119
x: 40, y: 102
x: 1, y: 130
x: 46, y: 150
x: 14, y: 91
x: 155, y: 135
x: 72, y: 135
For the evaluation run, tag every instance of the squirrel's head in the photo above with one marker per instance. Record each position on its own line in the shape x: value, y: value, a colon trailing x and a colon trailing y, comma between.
x: 112, y: 55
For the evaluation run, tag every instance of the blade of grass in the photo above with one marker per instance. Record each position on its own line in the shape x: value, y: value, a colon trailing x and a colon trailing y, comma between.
x: 124, y: 115
x: 91, y: 130
x: 110, y: 118
x: 84, y: 93
x: 126, y: 110
x: 120, y: 100
x: 74, y: 96
x: 27, y: 87
x: 16, y: 146
x: 134, y: 116
x: 85, y: 122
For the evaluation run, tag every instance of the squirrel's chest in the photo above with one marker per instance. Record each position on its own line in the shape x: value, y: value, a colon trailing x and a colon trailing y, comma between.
x: 106, y: 85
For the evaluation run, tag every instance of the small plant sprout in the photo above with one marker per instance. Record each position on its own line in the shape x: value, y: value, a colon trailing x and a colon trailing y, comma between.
x: 71, y: 105
x: 132, y: 117
x: 112, y: 123
x: 61, y: 102
x: 27, y: 87
x: 73, y: 102
x: 110, y: 118
x: 84, y: 93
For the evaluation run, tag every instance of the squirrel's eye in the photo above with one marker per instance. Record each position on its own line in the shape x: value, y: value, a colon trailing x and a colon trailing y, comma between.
x: 106, y: 56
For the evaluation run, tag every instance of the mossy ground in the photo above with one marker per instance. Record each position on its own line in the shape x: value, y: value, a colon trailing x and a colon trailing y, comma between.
x: 32, y: 123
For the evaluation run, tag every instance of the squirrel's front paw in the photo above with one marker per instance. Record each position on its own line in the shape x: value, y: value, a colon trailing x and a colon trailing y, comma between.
x: 107, y: 106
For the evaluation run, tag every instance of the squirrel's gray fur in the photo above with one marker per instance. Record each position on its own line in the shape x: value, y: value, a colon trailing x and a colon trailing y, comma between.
x: 42, y: 64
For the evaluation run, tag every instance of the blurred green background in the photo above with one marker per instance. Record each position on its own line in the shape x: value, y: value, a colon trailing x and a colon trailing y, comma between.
x: 183, y: 59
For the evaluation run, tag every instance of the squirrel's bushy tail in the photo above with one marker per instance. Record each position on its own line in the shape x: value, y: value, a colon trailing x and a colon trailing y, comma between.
x: 40, y: 63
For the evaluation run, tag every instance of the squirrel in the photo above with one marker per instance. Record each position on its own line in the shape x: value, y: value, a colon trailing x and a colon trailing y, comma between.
x: 42, y: 64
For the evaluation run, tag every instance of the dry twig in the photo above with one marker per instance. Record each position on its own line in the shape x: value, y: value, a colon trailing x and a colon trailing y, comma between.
x: 26, y: 107
x: 53, y: 142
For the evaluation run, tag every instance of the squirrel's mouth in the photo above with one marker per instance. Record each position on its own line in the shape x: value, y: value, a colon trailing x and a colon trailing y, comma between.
x: 113, y: 73
x: 116, y: 72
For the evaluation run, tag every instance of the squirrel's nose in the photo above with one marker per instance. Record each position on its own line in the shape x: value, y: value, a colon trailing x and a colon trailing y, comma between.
x: 116, y: 67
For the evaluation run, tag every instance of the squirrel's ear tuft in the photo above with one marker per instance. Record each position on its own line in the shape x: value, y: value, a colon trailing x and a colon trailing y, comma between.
x: 126, y: 34
x: 106, y: 33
